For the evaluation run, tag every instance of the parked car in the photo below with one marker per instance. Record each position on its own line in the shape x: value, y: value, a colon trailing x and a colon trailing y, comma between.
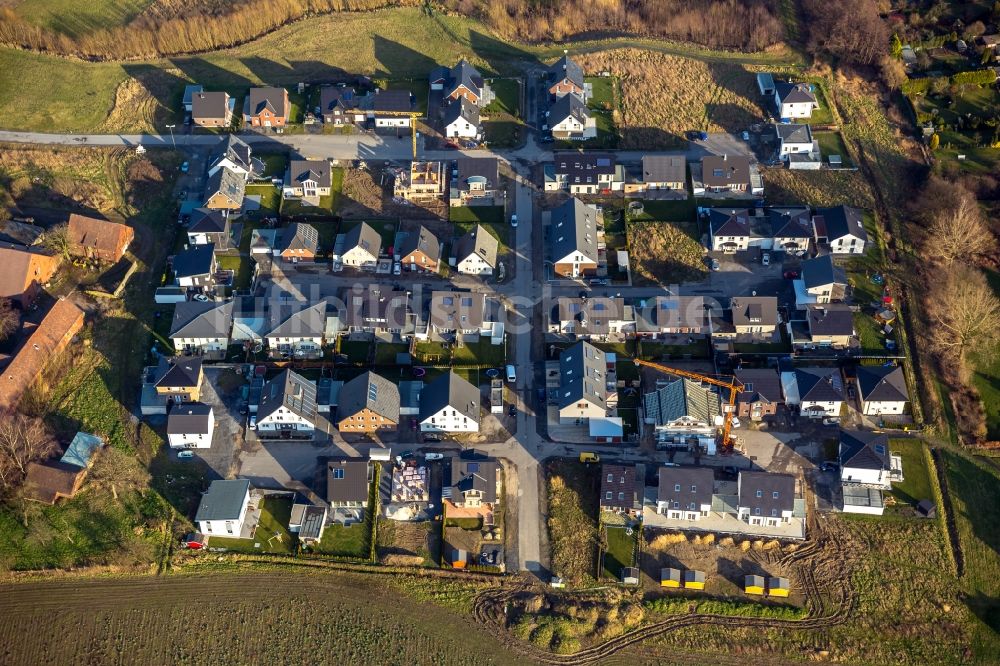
x: 184, y: 455
x: 765, y: 259
x: 589, y: 457
x: 253, y: 421
x: 703, y: 136
x: 715, y: 264
x: 397, y: 268
x: 513, y: 220
x: 185, y: 167
x: 432, y: 437
x: 791, y: 275
x: 746, y: 136
x: 433, y: 456
x: 831, y: 421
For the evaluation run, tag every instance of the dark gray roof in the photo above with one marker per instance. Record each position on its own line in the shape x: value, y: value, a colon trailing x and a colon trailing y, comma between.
x: 331, y: 97
x: 207, y: 221
x: 830, y: 319
x: 422, y: 240
x: 377, y: 306
x: 730, y: 222
x: 352, y: 485
x: 178, y: 371
x: 759, y: 385
x: 223, y: 500
x: 452, y: 391
x: 584, y: 168
x: 767, y: 484
x: 676, y: 398
x: 392, y: 100
x: 487, y: 168
x: 664, y: 168
x: 318, y: 171
x: 623, y: 480
x: 267, y: 98
x: 574, y: 229
x: 819, y: 384
x: 209, y: 105
x: 794, y: 133
x: 313, y: 519
x: 228, y: 183
x: 568, y: 106
x: 672, y: 312
x: 882, y: 384
x: 863, y: 449
x: 457, y: 310
x: 583, y: 375
x: 821, y: 271
x: 238, y: 151
x: 189, y: 418
x: 462, y: 108
x: 299, y: 236
x: 307, y: 322
x: 593, y: 315
x: 794, y: 93
x: 838, y: 222
x: 696, y: 485
x: 474, y: 472
x: 196, y: 319
x: 370, y: 391
x: 291, y: 391
x: 754, y: 310
x: 790, y: 223
x: 478, y: 241
x: 725, y: 170
x: 364, y: 236
x: 566, y: 69
x: 194, y: 261
x: 463, y: 74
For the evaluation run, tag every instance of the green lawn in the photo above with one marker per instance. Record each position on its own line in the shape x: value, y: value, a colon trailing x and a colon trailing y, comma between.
x: 468, y: 216
x: 602, y: 107
x: 270, y: 198
x: 272, y: 531
x: 508, y: 93
x: 481, y: 352
x: 275, y: 164
x: 242, y: 269
x: 621, y: 550
x: 626, y: 370
x: 75, y: 19
x: 502, y: 131
x: 870, y: 335
x: 357, y: 351
x: 831, y: 143
x: 385, y: 353
x: 431, y: 352
x: 668, y: 210
x: 658, y: 350
x: 465, y: 523
x: 916, y: 483
x: 350, y: 541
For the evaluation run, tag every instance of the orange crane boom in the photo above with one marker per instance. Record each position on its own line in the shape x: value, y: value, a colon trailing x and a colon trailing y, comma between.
x: 734, y: 385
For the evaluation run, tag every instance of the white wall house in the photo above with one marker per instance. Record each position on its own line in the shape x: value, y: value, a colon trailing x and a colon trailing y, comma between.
x: 449, y: 404
x: 391, y: 122
x: 448, y: 419
x: 285, y: 419
x: 202, y: 345
x: 821, y: 408
x: 473, y: 264
x: 223, y: 508
x: 358, y: 257
x: 847, y: 244
x: 190, y: 426
x: 794, y: 100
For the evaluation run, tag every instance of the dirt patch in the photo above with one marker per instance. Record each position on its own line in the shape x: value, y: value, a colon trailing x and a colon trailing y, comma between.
x: 408, y: 543
x: 665, y: 253
x: 367, y: 192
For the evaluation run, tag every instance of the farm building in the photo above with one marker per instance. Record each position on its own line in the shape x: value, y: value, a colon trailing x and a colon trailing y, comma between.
x: 778, y: 587
x: 694, y: 580
x: 670, y: 577
x: 753, y: 584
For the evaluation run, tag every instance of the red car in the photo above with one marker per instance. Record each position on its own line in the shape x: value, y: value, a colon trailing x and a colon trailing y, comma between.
x: 791, y: 275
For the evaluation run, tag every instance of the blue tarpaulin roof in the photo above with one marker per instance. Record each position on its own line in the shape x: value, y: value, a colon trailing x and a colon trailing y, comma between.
x: 81, y: 449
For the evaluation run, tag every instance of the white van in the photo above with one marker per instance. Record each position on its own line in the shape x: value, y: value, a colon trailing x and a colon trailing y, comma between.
x: 511, y: 375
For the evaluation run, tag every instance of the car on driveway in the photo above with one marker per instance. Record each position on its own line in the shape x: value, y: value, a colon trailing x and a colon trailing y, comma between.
x: 253, y: 421
x: 715, y: 264
x: 513, y: 221
x: 185, y: 167
x: 433, y: 456
x: 184, y: 455
x: 765, y: 259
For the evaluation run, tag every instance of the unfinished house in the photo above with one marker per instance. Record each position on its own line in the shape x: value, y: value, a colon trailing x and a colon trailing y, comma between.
x: 422, y: 181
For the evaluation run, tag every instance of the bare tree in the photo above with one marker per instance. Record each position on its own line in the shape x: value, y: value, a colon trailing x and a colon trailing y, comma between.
x: 119, y: 472
x: 966, y: 313
x: 960, y: 231
x: 10, y: 318
x: 23, y: 440
x: 56, y: 240
x: 850, y: 30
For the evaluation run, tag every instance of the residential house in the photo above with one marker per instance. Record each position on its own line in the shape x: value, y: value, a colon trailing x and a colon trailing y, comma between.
x: 391, y: 109
x: 475, y: 181
x: 621, y: 491
x: 673, y: 315
x: 761, y: 394
x: 368, y: 403
x: 748, y: 318
x: 267, y: 107
x: 791, y: 229
x: 189, y: 92
x: 461, y: 120
x: 23, y: 272
x: 195, y: 267
x: 422, y: 181
x: 817, y: 392
x: 841, y: 228
x: 475, y: 483
x: 685, y: 493
x: 573, y: 240
x: 587, y: 384
x: 287, y: 407
x: 308, y: 179
x: 178, y: 379
x: 420, y: 251
x: 98, y: 239
x: 48, y: 482
x: 377, y: 310
x: 223, y: 508
x: 462, y: 80
x: 190, y: 426
x: 882, y: 390
x: 201, y: 328
x: 683, y: 413
x: 794, y: 138
x: 449, y: 404
x: 209, y: 227
x: 583, y: 173
x: 598, y: 318
x: 212, y: 109
x: 829, y: 325
x: 661, y: 172
x: 341, y: 105
x: 732, y: 230
x: 464, y: 314
x: 476, y: 252
x: 765, y: 498
x: 225, y: 190
x: 866, y: 470
x: 236, y: 155
x: 298, y: 242
x: 794, y: 100
x: 565, y: 77
x: 820, y: 281
x: 728, y: 173
x: 348, y: 486
x: 47, y: 342
x: 362, y: 246
x: 569, y: 119
x: 302, y: 329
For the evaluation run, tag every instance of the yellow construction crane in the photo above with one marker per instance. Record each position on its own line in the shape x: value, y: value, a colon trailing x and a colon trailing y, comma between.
x: 734, y: 385
x: 413, y: 115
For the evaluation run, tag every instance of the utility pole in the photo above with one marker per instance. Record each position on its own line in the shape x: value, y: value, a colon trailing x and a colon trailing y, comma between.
x: 172, y: 142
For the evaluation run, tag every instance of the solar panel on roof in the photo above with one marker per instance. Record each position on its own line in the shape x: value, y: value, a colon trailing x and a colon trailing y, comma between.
x: 372, y: 392
x: 603, y: 161
x: 473, y: 467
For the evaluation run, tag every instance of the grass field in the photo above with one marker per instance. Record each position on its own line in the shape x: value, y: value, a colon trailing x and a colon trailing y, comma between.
x: 665, y: 252
x: 831, y: 143
x: 79, y: 18
x: 349, y: 541
x: 481, y: 352
x: 816, y: 188
x: 508, y: 94
x: 469, y: 215
x: 620, y: 551
x: 573, y: 529
x: 682, y: 210
x: 916, y: 484
x: 986, y: 377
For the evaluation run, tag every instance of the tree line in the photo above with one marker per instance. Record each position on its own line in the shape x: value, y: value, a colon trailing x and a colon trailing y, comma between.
x: 196, y: 32
x: 736, y: 24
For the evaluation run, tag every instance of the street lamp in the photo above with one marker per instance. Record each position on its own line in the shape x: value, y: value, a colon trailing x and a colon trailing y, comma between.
x: 172, y: 142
